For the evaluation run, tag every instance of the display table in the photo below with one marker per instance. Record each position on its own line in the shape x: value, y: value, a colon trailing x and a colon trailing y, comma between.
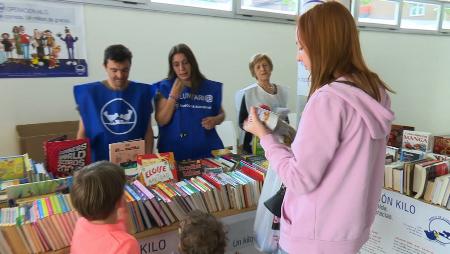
x: 408, y: 226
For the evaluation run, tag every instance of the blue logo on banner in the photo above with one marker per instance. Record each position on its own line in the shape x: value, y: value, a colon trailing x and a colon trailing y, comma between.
x: 438, y: 230
x: 118, y: 116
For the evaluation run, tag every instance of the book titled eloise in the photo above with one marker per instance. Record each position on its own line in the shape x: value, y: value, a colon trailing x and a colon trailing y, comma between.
x: 154, y: 168
x: 126, y: 151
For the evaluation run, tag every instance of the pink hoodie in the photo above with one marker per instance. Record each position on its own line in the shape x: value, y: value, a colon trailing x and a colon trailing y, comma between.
x: 334, y: 172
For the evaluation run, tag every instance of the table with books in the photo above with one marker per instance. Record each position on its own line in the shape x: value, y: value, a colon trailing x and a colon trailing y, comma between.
x: 35, y: 219
x: 413, y: 213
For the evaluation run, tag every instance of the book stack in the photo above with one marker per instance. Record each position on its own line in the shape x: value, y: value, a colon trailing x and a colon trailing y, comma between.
x: 423, y: 175
x: 44, y: 225
x: 18, y: 170
x: 47, y: 223
x: 165, y: 202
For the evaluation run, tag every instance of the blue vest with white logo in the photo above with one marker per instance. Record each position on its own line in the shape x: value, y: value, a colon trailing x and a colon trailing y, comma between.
x: 113, y: 116
x: 184, y: 134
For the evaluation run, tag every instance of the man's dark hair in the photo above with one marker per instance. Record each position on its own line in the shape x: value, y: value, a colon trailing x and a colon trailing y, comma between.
x: 117, y: 53
x: 96, y: 189
x: 196, y: 76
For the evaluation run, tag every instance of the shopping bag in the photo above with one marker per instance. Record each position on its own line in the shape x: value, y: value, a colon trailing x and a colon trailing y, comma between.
x: 266, y: 228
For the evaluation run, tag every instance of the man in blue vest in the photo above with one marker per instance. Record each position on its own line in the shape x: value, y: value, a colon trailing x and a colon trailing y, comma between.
x: 115, y: 109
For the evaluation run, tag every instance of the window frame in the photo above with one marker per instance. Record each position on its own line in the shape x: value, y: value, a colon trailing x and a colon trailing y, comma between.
x: 244, y: 12
x: 237, y: 12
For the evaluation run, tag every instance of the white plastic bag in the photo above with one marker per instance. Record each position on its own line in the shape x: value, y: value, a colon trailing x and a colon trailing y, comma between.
x: 266, y: 237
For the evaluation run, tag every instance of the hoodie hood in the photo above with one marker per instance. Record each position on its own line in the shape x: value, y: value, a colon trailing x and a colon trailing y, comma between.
x: 376, y: 115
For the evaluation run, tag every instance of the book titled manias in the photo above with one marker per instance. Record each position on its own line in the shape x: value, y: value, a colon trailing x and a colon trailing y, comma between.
x: 274, y: 122
x: 154, y: 168
x: 417, y: 140
x: 126, y: 151
x: 65, y: 157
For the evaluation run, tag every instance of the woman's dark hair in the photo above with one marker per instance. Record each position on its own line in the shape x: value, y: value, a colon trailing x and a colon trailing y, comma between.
x: 196, y: 76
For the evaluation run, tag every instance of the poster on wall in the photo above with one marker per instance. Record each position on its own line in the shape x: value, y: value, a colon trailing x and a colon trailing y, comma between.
x: 41, y: 39
x: 407, y: 225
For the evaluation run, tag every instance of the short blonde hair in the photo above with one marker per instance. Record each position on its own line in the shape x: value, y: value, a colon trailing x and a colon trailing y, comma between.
x: 256, y: 59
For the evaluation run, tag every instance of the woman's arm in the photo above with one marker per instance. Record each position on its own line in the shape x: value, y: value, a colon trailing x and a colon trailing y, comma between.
x: 165, y: 107
x: 81, y: 133
x: 243, y: 113
x: 149, y: 138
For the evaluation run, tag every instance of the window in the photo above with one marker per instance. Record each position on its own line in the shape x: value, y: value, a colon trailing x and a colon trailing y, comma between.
x: 417, y: 9
x: 446, y: 19
x: 423, y: 16
x: 225, y: 5
x: 289, y: 7
x: 378, y: 12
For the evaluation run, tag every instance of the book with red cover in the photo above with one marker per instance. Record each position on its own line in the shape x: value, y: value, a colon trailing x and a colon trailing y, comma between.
x: 442, y: 145
x: 396, y: 135
x: 65, y: 157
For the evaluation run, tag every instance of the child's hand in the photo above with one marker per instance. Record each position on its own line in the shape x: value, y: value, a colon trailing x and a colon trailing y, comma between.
x: 254, y: 125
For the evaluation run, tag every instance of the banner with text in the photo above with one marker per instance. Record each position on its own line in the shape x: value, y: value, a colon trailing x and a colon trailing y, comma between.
x: 408, y: 226
x: 41, y: 39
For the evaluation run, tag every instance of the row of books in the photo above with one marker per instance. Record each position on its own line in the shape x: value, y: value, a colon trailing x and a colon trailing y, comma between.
x: 168, y: 202
x: 424, y: 178
x: 405, y: 137
x: 47, y: 224
x: 43, y: 225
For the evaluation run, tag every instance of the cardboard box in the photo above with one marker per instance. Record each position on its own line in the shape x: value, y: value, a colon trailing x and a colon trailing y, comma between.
x: 33, y: 136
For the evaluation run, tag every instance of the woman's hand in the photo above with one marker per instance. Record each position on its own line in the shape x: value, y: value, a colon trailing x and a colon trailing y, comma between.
x: 176, y: 90
x: 209, y: 122
x: 254, y: 125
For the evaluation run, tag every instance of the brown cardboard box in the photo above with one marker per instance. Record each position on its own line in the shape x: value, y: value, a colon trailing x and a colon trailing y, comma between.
x: 33, y: 136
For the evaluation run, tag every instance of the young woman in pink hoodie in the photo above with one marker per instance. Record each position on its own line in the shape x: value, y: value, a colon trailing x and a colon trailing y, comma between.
x: 334, y: 169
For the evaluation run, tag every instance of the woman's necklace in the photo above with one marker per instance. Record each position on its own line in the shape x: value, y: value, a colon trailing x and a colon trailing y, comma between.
x: 269, y: 88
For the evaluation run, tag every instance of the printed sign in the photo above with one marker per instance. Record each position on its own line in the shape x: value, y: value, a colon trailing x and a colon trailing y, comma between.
x: 407, y: 225
x: 41, y: 39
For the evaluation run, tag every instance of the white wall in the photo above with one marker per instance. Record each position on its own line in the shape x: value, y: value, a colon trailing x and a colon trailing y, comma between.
x: 417, y: 68
x: 414, y: 65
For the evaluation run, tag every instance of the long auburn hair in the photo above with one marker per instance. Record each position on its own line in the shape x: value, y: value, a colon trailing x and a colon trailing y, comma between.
x: 328, y: 33
x: 196, y: 76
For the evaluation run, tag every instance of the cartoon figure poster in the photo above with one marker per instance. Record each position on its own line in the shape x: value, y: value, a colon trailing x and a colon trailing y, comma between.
x: 41, y: 39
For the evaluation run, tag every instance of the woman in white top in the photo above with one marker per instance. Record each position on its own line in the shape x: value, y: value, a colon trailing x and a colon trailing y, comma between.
x: 262, y: 93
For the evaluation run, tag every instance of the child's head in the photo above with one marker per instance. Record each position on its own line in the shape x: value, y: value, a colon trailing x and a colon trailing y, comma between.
x: 201, y: 233
x: 97, y: 190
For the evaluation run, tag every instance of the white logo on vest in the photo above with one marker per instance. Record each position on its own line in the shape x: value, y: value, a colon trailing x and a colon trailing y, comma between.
x: 118, y: 116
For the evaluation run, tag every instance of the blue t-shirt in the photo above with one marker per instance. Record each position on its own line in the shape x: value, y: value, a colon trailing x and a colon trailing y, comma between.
x: 184, y: 134
x: 113, y: 116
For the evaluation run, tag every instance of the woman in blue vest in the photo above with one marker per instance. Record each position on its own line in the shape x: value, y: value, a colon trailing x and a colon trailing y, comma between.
x: 188, y: 108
